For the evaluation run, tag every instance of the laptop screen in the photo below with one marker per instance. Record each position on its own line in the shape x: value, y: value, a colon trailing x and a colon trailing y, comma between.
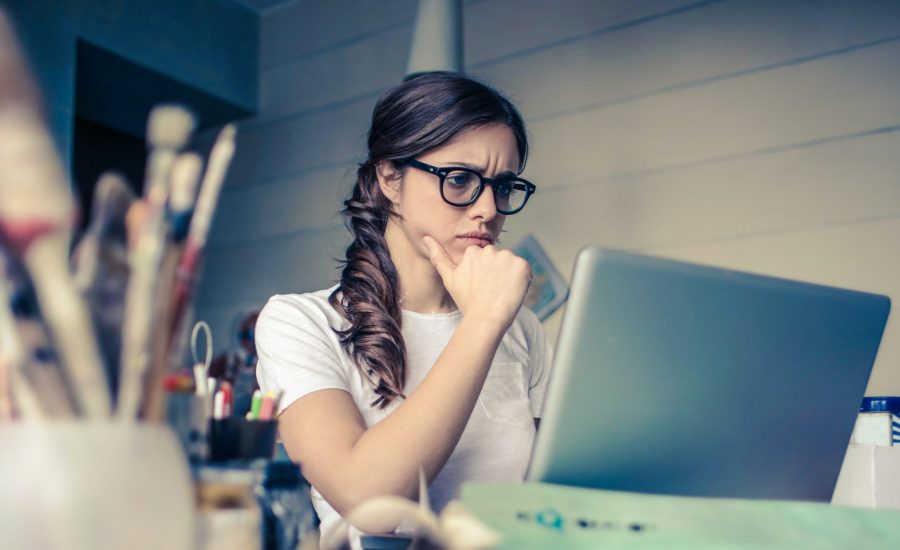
x: 673, y: 378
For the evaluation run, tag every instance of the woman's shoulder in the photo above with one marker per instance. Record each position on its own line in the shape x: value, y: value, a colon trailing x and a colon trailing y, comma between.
x: 301, y: 309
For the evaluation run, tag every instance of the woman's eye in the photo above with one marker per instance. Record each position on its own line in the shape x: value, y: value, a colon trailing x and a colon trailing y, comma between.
x: 460, y: 179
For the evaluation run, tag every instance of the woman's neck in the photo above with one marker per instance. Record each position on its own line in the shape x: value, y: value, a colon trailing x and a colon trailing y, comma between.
x: 421, y: 288
x: 422, y: 291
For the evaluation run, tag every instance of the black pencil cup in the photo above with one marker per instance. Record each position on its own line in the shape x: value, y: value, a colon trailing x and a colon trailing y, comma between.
x: 237, y: 438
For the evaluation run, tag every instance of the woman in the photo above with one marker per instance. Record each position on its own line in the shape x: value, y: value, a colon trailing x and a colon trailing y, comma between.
x: 422, y: 355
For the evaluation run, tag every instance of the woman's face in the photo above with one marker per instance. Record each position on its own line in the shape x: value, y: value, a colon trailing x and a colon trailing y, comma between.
x: 491, y: 151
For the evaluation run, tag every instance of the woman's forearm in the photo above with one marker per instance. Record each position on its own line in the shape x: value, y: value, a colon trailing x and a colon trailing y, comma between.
x: 425, y: 428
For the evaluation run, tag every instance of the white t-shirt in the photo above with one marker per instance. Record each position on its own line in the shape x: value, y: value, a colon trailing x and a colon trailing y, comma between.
x: 299, y: 353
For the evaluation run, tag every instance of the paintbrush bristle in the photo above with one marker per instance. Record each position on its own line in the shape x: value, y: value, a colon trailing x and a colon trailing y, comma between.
x: 112, y: 190
x: 227, y: 132
x: 185, y: 176
x: 169, y: 126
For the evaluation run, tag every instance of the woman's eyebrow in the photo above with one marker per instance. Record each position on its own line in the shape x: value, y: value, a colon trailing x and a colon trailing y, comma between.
x: 480, y: 169
x: 469, y: 165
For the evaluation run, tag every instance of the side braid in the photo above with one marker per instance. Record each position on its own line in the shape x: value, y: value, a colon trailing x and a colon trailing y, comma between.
x: 367, y: 293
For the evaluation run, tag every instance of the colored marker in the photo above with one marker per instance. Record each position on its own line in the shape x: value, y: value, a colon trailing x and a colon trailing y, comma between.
x: 255, y: 405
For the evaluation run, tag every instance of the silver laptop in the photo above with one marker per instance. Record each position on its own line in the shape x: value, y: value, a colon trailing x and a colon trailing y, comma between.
x: 672, y: 378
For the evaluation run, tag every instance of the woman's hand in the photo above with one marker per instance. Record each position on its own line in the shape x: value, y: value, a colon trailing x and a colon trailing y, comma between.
x: 488, y: 283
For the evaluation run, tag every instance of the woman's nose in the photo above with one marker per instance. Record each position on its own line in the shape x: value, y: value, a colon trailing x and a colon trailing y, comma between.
x: 485, y: 207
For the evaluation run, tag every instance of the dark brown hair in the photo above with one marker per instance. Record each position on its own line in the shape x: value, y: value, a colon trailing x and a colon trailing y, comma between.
x: 422, y: 114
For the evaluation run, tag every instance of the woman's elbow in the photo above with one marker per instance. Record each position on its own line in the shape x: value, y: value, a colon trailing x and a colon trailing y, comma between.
x: 347, y: 499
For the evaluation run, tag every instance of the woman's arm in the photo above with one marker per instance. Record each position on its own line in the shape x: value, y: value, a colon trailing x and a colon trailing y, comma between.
x: 325, y: 432
x: 348, y: 463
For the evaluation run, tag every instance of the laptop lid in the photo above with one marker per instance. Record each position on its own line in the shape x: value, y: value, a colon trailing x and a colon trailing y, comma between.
x: 680, y: 379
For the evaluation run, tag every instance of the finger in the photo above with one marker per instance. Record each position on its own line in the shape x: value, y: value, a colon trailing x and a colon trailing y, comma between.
x: 439, y: 258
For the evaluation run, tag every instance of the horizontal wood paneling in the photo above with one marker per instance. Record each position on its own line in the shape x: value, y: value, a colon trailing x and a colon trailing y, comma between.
x: 849, y: 93
x: 369, y: 65
x: 324, y: 139
x: 690, y: 47
x: 295, y: 263
x: 308, y: 201
x: 310, y: 27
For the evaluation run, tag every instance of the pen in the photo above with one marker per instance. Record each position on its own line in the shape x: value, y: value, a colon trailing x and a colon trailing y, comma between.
x: 255, y: 405
x: 269, y: 405
x: 210, y: 397
x: 227, y: 398
x: 219, y: 405
x: 199, y: 379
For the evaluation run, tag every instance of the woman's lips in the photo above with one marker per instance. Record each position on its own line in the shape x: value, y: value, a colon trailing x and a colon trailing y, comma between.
x: 478, y: 240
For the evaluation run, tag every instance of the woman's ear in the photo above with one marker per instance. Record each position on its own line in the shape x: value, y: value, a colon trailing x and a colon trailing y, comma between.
x: 388, y: 180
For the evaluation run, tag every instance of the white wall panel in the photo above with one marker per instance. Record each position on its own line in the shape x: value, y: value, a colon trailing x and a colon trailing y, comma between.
x: 367, y: 66
x: 689, y: 47
x: 849, y: 93
x: 327, y: 138
x: 801, y: 188
x: 296, y: 263
x: 252, y: 212
x: 498, y: 29
x: 313, y: 26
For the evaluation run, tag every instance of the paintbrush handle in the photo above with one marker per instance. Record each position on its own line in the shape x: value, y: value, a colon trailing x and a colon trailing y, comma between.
x: 69, y: 322
x: 184, y: 284
x: 211, y: 186
x: 161, y: 363
x: 137, y: 327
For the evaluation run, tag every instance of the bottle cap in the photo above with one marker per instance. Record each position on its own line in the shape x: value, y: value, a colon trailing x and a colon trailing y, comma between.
x: 889, y: 404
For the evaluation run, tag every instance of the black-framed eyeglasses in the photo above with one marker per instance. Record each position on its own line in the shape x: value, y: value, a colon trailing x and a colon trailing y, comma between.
x: 462, y: 186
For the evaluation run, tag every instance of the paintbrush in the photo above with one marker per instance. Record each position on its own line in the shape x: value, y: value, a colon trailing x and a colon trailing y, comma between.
x: 38, y: 372
x: 168, y: 129
x: 12, y: 358
x: 36, y: 218
x: 189, y: 267
x: 100, y: 262
x: 184, y: 178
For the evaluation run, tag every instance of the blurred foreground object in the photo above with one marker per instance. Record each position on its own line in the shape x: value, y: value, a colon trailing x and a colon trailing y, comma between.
x: 94, y: 485
x: 37, y: 215
x: 455, y: 529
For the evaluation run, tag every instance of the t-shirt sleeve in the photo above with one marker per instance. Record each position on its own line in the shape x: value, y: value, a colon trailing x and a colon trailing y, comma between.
x: 540, y: 354
x: 297, y: 351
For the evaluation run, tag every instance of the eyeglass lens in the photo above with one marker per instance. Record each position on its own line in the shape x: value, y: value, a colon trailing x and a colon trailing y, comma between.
x: 461, y: 186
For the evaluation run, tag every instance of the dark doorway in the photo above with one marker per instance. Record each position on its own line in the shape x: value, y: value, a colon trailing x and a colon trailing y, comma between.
x: 113, y: 97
